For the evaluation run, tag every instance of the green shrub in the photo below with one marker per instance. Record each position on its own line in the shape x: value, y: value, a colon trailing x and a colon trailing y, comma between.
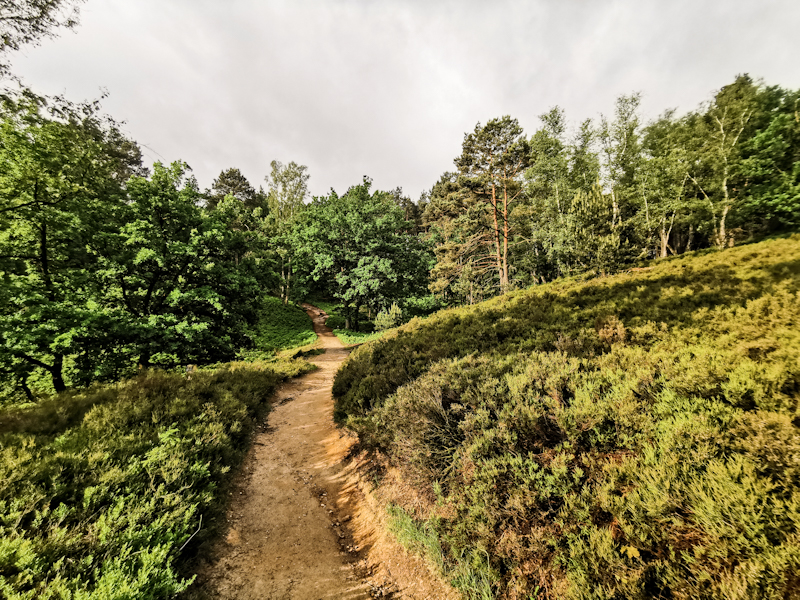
x: 421, y: 306
x: 635, y: 436
x: 335, y: 322
x: 282, y: 326
x: 105, y: 493
x: 350, y: 338
x: 387, y: 319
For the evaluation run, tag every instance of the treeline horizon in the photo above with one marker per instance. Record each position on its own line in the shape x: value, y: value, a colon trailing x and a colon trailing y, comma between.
x: 109, y: 267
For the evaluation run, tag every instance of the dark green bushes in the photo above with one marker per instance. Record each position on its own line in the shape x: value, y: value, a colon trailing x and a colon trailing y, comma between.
x: 101, y: 491
x: 635, y: 436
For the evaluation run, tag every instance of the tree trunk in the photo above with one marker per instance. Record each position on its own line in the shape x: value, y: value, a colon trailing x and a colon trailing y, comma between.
x: 664, y: 235
x: 283, y: 280
x: 356, y: 317
x: 56, y: 373
x: 722, y: 235
x: 288, y: 286
x: 25, y: 389
x: 504, y: 275
x: 497, y: 236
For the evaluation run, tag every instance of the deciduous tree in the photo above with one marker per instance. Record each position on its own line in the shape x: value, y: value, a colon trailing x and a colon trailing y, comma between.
x: 62, y: 174
x: 359, y: 246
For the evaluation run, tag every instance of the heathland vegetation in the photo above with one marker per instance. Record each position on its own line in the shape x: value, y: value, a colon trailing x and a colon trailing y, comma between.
x: 106, y: 492
x: 632, y: 436
x: 606, y: 406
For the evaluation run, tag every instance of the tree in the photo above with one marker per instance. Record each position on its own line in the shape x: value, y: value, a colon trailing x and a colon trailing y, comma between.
x: 62, y: 174
x: 457, y: 229
x: 412, y: 212
x: 359, y: 247
x: 288, y: 191
x: 661, y: 181
x: 28, y: 21
x: 716, y: 158
x: 543, y: 247
x: 102, y: 266
x: 621, y: 152
x: 770, y: 166
x: 493, y: 159
x: 180, y: 274
x: 232, y: 183
x: 584, y: 164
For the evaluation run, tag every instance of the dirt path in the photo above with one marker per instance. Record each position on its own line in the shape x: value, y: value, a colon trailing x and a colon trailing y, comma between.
x: 300, y: 526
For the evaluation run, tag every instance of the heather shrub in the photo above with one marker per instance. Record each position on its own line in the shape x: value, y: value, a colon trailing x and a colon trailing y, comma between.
x: 635, y: 436
x: 105, y: 493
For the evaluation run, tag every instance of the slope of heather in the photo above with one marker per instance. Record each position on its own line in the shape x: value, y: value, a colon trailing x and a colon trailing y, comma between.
x: 634, y: 436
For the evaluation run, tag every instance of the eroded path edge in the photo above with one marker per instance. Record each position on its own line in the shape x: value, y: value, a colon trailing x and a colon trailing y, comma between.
x: 302, y: 523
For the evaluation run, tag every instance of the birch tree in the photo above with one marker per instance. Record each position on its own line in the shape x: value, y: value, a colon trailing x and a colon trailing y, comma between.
x: 717, y: 134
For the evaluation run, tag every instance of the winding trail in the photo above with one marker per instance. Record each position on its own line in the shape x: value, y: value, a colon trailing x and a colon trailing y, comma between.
x: 285, y: 539
x: 302, y: 522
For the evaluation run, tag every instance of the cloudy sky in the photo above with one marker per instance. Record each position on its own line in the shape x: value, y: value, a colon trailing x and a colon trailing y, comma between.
x: 388, y: 88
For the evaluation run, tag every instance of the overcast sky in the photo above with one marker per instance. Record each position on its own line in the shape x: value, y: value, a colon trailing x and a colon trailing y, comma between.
x: 388, y: 88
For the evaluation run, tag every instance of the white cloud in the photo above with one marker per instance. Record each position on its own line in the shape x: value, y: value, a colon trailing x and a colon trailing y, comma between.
x: 387, y: 89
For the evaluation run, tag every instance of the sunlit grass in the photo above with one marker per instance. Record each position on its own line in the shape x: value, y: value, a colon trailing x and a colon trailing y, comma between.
x: 350, y: 338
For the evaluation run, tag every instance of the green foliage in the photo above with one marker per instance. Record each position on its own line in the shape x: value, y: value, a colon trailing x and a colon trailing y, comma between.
x: 633, y: 436
x: 420, y: 306
x: 357, y: 247
x: 386, y: 319
x: 54, y: 211
x: 349, y: 337
x: 180, y: 273
x: 335, y: 322
x: 282, y: 326
x: 231, y: 183
x: 105, y: 267
x: 288, y: 191
x: 105, y: 493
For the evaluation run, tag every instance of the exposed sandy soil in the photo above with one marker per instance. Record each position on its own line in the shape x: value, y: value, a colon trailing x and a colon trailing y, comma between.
x: 302, y: 521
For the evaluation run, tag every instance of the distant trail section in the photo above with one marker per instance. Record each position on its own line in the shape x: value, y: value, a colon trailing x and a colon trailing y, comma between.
x: 298, y: 524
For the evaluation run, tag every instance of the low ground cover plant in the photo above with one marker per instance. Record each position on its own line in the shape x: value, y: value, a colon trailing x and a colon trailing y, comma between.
x: 106, y: 492
x: 282, y: 326
x: 635, y: 436
x: 350, y: 338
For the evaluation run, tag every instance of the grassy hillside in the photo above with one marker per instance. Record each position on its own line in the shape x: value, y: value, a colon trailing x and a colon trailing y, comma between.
x: 282, y: 326
x: 635, y: 436
x: 105, y: 493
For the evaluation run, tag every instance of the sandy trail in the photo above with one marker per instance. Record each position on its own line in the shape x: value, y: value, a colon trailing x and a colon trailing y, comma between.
x: 302, y: 522
x: 283, y: 540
